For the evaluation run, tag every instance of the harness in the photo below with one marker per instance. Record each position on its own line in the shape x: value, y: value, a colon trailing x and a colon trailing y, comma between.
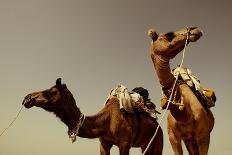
x: 183, y: 75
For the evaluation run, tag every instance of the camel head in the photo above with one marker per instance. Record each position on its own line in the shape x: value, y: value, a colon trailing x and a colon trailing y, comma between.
x: 52, y: 99
x: 170, y: 44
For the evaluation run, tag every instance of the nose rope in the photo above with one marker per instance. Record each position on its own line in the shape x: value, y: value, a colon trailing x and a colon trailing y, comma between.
x: 185, y: 45
x: 171, y: 96
x: 12, y: 122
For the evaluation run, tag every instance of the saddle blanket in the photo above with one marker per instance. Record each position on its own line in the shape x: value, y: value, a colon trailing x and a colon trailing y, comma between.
x: 194, y: 82
x: 188, y: 77
x: 127, y: 100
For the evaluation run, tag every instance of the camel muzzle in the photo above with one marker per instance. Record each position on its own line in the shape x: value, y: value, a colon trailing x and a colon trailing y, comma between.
x: 28, y: 101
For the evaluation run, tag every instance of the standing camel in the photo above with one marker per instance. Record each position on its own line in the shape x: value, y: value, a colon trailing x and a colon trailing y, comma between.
x: 110, y: 125
x: 192, y: 124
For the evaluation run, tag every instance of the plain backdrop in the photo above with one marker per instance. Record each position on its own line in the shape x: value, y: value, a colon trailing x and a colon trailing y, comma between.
x: 94, y: 45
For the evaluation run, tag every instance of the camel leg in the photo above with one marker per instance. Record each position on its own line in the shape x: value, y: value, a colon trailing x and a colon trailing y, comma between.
x: 156, y: 147
x: 204, y: 145
x: 175, y: 143
x: 192, y: 147
x: 105, y: 147
x: 124, y: 148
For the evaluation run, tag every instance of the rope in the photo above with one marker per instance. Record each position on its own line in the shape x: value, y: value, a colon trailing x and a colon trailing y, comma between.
x: 75, y: 131
x: 12, y: 121
x: 169, y: 100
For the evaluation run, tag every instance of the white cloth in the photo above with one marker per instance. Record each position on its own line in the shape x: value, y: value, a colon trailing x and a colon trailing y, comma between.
x: 189, y: 78
x: 127, y: 100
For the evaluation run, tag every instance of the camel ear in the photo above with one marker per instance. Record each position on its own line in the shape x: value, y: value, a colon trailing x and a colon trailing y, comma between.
x: 58, y: 83
x: 152, y: 34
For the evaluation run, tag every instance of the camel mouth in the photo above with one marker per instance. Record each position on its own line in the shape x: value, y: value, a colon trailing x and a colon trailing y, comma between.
x: 194, y: 37
x: 28, y: 102
x: 28, y: 105
x: 195, y: 34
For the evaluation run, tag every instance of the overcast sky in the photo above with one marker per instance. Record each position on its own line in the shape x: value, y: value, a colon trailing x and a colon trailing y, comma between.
x: 93, y: 45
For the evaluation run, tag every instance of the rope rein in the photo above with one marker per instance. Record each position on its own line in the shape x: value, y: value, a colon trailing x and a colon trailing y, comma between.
x: 72, y: 133
x: 171, y: 96
x: 12, y: 122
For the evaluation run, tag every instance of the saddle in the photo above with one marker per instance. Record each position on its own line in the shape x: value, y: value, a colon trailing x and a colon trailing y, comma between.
x: 206, y: 96
x: 132, y: 102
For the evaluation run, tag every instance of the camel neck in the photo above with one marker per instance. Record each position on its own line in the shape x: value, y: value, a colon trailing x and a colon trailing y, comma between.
x: 163, y: 71
x: 69, y: 116
x: 94, y: 126
x: 97, y: 125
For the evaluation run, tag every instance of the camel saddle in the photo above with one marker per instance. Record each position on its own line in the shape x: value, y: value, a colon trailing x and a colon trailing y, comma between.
x: 131, y: 102
x: 205, y: 95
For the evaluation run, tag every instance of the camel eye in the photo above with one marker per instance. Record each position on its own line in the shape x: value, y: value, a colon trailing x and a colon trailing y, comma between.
x: 169, y: 36
x: 46, y: 93
x: 53, y: 92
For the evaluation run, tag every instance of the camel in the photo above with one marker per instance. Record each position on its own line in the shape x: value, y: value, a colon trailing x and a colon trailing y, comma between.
x: 110, y: 124
x: 191, y: 123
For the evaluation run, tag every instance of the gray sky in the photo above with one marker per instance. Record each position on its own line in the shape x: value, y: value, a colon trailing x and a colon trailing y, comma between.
x: 94, y: 45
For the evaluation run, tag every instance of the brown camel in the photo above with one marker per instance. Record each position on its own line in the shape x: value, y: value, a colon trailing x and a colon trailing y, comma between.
x: 110, y: 125
x: 192, y: 124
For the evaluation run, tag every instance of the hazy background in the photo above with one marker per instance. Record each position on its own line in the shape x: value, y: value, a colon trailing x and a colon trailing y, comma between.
x: 94, y: 45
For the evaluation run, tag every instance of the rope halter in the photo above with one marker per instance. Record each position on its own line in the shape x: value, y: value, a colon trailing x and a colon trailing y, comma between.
x: 75, y: 131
